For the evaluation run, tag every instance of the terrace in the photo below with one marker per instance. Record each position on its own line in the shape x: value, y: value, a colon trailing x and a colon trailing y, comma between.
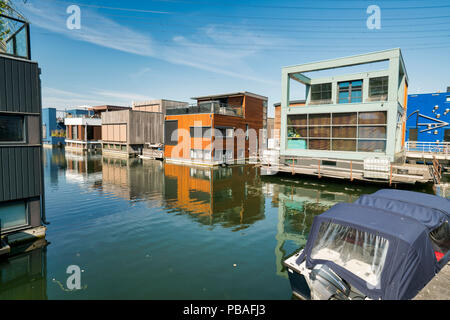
x: 14, y: 37
x: 214, y: 107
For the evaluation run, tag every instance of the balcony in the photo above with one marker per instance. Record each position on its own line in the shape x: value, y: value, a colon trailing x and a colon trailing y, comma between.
x: 14, y: 37
x: 207, y: 107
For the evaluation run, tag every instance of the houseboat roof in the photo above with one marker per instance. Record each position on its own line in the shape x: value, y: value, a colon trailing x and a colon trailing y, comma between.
x: 108, y: 108
x: 234, y: 94
x: 292, y: 102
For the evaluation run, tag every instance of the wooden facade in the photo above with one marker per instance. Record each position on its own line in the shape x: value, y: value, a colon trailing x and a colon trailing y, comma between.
x: 129, y: 132
x: 240, y: 137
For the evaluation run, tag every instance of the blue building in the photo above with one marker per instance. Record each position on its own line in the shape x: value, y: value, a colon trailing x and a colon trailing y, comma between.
x: 53, y: 130
x: 428, y: 117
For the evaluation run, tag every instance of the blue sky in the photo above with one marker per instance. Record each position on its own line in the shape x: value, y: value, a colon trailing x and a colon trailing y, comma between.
x: 178, y: 49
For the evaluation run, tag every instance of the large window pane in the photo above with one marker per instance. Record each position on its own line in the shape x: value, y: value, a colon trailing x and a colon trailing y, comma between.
x: 296, y: 144
x: 371, y: 145
x: 11, y: 128
x: 319, y: 119
x: 377, y: 117
x: 297, y: 132
x: 298, y: 120
x: 344, y: 118
x: 344, y: 145
x: 319, y: 132
x: 319, y: 144
x: 171, y: 132
x: 344, y: 132
x: 13, y: 215
x: 372, y: 132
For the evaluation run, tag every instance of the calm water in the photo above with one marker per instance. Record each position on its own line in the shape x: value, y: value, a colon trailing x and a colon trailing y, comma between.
x: 149, y: 230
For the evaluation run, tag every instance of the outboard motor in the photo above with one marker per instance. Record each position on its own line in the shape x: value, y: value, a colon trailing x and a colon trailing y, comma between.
x: 327, y: 285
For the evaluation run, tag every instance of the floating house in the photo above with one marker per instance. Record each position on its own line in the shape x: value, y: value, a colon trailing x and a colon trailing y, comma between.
x: 84, y: 131
x: 131, y: 133
x: 346, y: 116
x: 277, y: 118
x: 22, y: 208
x: 53, y: 129
x: 224, y: 128
x: 428, y: 117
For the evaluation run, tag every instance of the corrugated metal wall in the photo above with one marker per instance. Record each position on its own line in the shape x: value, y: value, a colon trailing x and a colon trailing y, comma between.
x: 19, y: 86
x: 20, y: 172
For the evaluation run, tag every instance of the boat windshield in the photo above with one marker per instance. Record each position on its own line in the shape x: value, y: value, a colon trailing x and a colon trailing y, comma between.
x: 360, y: 252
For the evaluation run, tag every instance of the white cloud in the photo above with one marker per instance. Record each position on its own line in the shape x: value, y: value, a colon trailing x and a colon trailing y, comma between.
x: 193, y: 52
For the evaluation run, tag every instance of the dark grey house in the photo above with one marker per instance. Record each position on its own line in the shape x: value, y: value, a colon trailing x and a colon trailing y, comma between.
x: 21, y: 170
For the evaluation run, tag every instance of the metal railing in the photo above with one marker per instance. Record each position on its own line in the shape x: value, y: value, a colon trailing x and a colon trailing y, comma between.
x: 14, y: 37
x: 207, y: 107
x: 428, y: 147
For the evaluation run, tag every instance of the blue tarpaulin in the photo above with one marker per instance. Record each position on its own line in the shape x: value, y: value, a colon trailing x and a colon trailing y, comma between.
x: 403, y: 220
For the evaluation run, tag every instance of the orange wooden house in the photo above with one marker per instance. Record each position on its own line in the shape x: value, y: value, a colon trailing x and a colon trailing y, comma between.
x: 226, y: 128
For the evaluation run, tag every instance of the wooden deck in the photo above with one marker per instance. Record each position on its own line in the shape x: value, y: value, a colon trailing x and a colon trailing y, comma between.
x: 438, y: 288
x: 354, y: 170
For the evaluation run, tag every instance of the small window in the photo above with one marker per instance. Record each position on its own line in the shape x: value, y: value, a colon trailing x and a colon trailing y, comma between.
x: 350, y: 91
x: 378, y: 88
x: 171, y: 132
x: 13, y: 215
x: 447, y: 99
x: 200, y: 132
x: 12, y: 128
x: 321, y: 93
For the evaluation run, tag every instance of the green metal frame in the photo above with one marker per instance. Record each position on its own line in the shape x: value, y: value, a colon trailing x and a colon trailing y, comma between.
x: 393, y: 105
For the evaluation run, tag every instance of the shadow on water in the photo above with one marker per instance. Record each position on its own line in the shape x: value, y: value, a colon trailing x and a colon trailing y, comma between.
x: 220, y: 216
x: 24, y: 274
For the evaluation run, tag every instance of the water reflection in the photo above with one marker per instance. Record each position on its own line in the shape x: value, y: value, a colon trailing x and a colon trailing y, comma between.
x: 140, y: 218
x: 24, y: 275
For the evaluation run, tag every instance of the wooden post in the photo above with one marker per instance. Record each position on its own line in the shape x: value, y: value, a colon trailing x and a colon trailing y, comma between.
x: 293, y: 172
x: 390, y: 177
x: 319, y: 169
x: 351, y: 170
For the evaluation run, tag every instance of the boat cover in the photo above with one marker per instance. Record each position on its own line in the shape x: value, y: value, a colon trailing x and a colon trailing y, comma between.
x: 430, y: 217
x: 423, y: 199
x: 395, y: 255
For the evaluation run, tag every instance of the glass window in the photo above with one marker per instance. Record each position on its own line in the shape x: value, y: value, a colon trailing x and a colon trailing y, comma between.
x: 12, y: 128
x: 321, y: 93
x: 319, y: 144
x: 350, y: 91
x: 297, y: 120
x: 378, y: 88
x: 74, y: 132
x: 171, y: 132
x: 200, y: 132
x: 377, y: 117
x: 344, y: 145
x: 362, y: 253
x: 372, y: 145
x: 344, y: 132
x: 13, y: 215
x: 372, y: 132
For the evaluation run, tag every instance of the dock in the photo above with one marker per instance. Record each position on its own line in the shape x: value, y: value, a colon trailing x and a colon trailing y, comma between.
x: 438, y: 288
x: 354, y: 170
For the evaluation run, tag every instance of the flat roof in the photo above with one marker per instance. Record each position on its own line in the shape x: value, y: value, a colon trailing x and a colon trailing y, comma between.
x: 292, y: 102
x: 108, y: 107
x: 225, y: 95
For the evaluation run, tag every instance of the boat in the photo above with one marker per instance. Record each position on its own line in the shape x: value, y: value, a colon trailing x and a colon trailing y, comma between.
x: 384, y: 246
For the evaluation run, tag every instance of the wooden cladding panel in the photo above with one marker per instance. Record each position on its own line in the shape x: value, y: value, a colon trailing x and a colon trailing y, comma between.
x: 19, y: 86
x: 20, y: 172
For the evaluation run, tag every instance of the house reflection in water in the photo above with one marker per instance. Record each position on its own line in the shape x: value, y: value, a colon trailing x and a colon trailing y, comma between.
x: 82, y: 168
x: 230, y: 196
x: 298, y: 204
x: 227, y: 196
x: 24, y: 276
x: 133, y: 179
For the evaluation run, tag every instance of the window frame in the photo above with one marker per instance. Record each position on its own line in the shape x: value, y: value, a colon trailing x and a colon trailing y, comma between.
x: 350, y: 89
x: 384, y: 83
x: 24, y: 128
x: 321, y: 91
x: 27, y: 216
